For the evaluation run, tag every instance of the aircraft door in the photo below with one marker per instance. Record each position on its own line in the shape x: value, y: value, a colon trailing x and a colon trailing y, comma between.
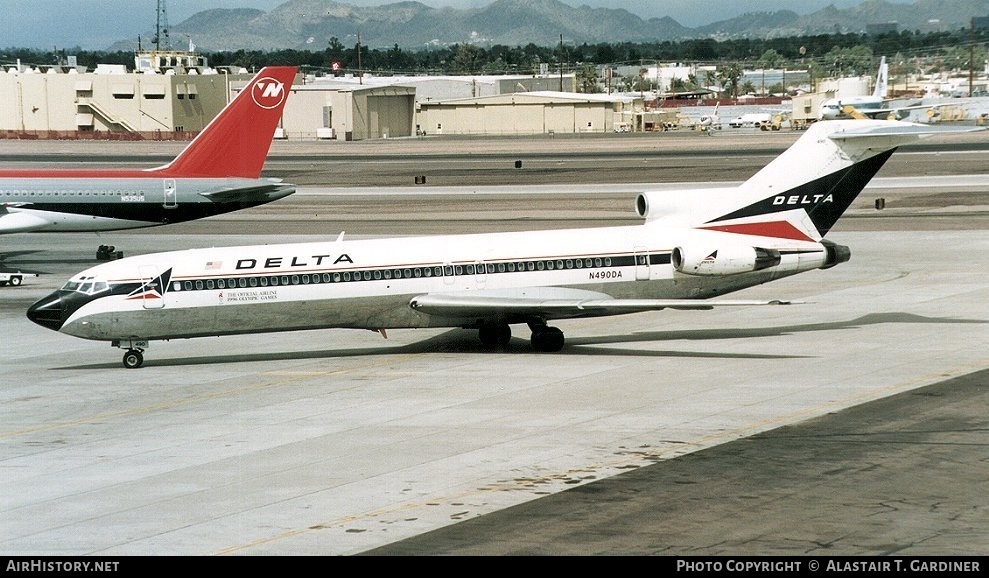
x: 152, y: 294
x: 480, y: 274
x: 641, y: 264
x: 171, y: 194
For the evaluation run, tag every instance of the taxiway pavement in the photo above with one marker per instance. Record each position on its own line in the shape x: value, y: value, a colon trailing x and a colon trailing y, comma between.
x: 852, y: 424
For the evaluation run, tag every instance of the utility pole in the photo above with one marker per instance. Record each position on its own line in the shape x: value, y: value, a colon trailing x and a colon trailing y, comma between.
x: 360, y: 73
x: 971, y: 57
x: 561, y: 63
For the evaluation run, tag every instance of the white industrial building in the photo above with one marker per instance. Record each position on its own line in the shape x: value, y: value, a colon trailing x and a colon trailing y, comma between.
x: 175, y: 102
x: 525, y: 113
x: 349, y: 112
x: 37, y: 103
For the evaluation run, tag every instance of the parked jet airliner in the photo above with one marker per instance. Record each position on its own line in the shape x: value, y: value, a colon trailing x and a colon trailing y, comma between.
x: 693, y: 245
x: 874, y: 106
x: 834, y: 108
x: 218, y: 172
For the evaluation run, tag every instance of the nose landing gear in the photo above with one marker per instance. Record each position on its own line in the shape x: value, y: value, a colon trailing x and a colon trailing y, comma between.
x: 133, y: 359
x: 134, y: 356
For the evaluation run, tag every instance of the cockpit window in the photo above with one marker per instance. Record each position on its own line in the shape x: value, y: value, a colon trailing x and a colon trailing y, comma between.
x: 86, y: 285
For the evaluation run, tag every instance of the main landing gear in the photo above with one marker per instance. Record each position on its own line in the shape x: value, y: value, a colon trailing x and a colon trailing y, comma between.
x: 494, y: 334
x: 544, y: 338
x: 134, y: 356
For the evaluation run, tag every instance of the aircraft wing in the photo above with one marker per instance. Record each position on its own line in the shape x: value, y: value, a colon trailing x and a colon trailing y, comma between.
x: 905, y: 131
x: 892, y: 113
x: 556, y: 303
x: 18, y: 222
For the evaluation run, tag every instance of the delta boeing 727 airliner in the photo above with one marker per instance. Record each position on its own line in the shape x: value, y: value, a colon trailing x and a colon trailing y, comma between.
x: 219, y: 172
x: 693, y: 245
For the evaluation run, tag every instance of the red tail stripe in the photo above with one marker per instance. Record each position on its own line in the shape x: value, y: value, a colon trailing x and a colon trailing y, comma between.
x: 777, y: 229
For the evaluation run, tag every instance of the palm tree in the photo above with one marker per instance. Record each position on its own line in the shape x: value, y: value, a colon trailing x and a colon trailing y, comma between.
x: 587, y: 79
x: 729, y: 75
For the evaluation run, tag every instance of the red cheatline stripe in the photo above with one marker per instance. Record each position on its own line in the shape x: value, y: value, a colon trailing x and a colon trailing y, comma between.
x: 778, y: 229
x: 78, y: 174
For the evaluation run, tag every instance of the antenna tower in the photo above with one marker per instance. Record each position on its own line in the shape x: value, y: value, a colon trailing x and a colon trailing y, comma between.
x: 161, y: 39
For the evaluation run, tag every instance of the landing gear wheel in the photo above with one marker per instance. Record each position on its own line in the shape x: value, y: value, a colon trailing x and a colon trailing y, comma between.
x: 547, y: 339
x: 497, y: 335
x: 133, y: 359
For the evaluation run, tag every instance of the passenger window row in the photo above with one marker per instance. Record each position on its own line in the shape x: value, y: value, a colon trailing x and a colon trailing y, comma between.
x: 417, y: 272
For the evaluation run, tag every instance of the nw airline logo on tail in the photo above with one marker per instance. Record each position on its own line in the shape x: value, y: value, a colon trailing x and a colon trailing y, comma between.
x: 268, y: 93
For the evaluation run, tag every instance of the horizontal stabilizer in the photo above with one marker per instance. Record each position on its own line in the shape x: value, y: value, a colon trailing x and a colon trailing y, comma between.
x: 899, y: 129
x: 252, y: 194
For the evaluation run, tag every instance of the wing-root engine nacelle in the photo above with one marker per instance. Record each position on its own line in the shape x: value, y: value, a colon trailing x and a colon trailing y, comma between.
x: 725, y: 260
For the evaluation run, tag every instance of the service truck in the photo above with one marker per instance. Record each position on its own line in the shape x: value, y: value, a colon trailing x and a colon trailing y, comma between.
x: 13, y: 279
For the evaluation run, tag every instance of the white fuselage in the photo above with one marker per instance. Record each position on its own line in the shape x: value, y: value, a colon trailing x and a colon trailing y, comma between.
x: 835, y: 108
x: 90, y: 201
x: 369, y: 283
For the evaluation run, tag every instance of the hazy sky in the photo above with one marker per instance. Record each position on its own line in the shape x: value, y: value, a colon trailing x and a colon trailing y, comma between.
x: 96, y: 24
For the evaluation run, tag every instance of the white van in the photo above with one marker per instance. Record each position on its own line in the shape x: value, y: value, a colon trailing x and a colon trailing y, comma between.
x: 755, y: 119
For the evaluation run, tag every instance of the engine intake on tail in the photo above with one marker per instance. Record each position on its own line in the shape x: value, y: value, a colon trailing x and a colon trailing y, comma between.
x: 726, y: 260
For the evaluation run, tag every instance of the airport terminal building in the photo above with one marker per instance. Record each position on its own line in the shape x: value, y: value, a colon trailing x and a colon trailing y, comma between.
x: 115, y: 104
x: 59, y: 105
x: 177, y: 102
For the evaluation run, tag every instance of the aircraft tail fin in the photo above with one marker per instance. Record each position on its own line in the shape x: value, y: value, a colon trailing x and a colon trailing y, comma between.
x: 882, y: 79
x: 236, y: 142
x: 803, y: 192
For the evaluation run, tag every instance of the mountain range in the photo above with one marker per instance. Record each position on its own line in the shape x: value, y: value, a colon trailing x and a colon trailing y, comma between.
x: 310, y: 24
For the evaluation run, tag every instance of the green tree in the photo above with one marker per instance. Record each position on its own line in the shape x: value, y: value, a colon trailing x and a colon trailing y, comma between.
x: 467, y: 58
x: 853, y: 61
x: 772, y: 59
x: 587, y: 79
x: 728, y: 76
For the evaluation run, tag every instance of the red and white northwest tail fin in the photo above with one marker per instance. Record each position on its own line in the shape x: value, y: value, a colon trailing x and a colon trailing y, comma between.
x: 236, y: 142
x: 800, y: 194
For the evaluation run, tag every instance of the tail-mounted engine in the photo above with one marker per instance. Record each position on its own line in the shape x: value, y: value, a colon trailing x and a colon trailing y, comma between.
x: 724, y: 260
x: 835, y: 254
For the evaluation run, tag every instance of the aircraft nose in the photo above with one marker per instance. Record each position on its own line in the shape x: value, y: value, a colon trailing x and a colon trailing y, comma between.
x: 48, y: 312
